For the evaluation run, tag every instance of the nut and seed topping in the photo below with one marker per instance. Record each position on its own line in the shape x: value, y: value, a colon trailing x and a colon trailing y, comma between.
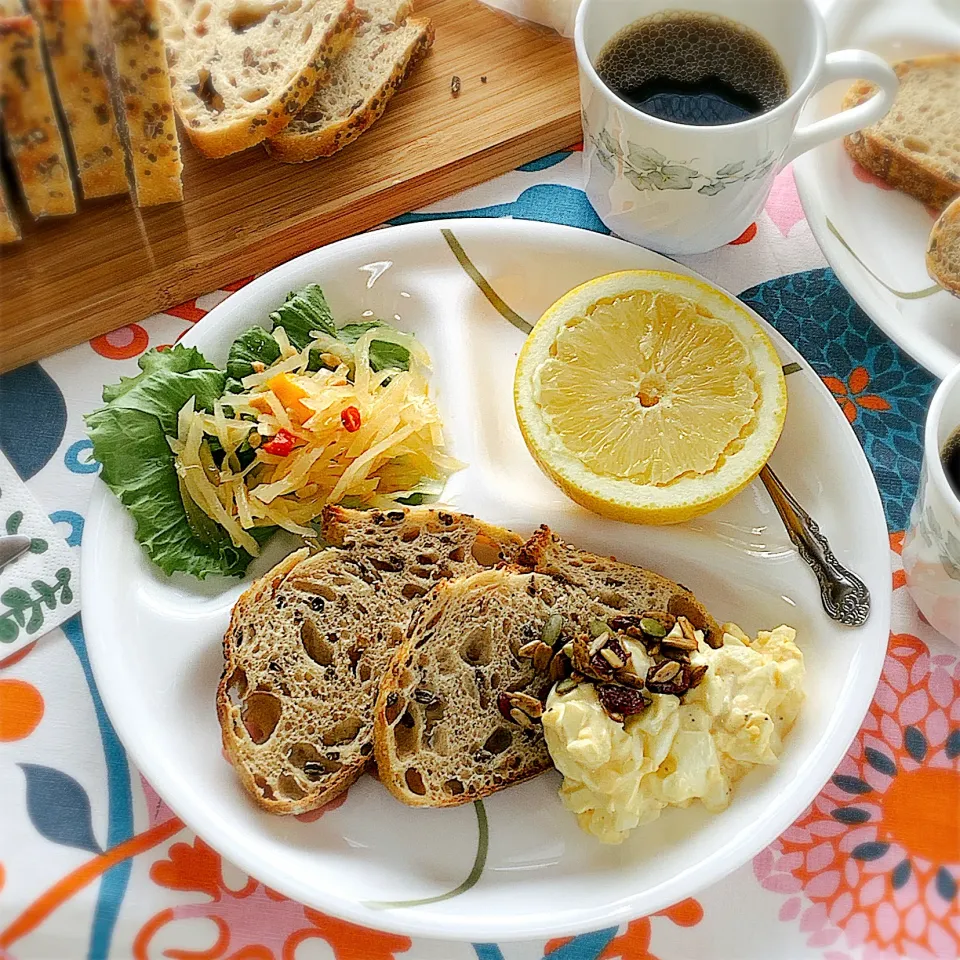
x: 559, y: 667
x: 687, y: 628
x: 598, y: 643
x: 424, y: 696
x: 665, y: 671
x: 679, y: 643
x: 598, y: 628
x: 620, y: 702
x: 520, y: 718
x: 652, y: 628
x: 514, y: 704
x: 529, y: 649
x: 542, y: 658
x: 565, y: 686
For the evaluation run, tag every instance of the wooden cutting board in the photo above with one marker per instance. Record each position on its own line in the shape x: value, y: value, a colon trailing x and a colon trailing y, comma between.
x: 78, y: 277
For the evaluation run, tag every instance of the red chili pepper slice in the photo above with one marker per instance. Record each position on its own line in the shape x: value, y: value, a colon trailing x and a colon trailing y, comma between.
x: 350, y: 418
x: 281, y: 444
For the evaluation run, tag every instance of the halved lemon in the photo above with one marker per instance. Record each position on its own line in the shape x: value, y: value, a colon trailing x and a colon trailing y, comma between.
x: 649, y: 397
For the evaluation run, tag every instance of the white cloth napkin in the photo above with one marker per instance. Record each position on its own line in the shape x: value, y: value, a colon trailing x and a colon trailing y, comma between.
x: 40, y: 590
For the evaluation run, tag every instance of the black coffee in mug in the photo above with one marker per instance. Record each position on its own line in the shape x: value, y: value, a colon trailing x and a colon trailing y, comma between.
x: 950, y: 458
x: 693, y: 68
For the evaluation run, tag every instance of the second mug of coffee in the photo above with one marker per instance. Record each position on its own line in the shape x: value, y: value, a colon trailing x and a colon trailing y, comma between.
x: 689, y: 114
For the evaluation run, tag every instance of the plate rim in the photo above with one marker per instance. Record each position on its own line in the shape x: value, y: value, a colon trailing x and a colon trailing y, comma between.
x: 412, y: 922
x: 853, y: 275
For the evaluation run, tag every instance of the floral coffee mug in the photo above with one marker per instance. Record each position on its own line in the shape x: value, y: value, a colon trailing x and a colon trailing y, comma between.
x: 931, y: 548
x: 687, y: 189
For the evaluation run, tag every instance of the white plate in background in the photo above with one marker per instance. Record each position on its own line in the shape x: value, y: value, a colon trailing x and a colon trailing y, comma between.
x: 879, y: 237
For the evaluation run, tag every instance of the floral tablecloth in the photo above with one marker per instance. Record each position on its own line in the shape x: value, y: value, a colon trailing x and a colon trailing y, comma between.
x: 93, y: 864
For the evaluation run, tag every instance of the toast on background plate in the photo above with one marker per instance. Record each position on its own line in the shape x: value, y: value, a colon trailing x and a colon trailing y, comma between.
x: 241, y: 70
x: 308, y: 643
x: 458, y: 713
x: 616, y: 587
x: 29, y: 116
x: 916, y: 146
x: 363, y: 79
x: 83, y: 93
x: 943, y: 251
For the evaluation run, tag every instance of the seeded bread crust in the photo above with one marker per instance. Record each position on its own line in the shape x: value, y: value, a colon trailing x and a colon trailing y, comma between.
x: 943, y: 250
x: 617, y: 587
x: 30, y: 120
x: 362, y: 82
x: 916, y: 146
x: 440, y: 737
x: 243, y: 70
x: 143, y: 101
x: 9, y: 228
x: 84, y: 95
x: 308, y: 644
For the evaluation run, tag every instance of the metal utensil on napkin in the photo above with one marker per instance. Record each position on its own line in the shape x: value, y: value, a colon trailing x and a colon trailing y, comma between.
x: 12, y: 547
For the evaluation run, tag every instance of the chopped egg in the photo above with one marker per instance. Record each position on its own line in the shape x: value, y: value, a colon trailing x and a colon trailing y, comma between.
x: 617, y: 777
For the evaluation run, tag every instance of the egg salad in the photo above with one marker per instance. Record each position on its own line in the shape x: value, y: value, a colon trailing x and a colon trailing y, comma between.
x: 619, y: 776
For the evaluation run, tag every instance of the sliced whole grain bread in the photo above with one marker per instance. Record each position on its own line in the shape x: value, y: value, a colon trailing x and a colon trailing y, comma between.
x: 9, y: 228
x: 30, y: 119
x: 133, y: 50
x: 243, y: 69
x: 943, y: 250
x: 308, y: 643
x: 362, y: 81
x: 916, y: 146
x: 452, y: 722
x: 617, y: 587
x: 83, y: 93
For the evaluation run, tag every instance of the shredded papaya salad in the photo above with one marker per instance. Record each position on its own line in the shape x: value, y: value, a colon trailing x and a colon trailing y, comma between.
x: 211, y: 461
x: 343, y: 432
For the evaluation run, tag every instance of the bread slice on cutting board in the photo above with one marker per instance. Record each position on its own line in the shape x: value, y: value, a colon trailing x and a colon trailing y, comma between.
x: 450, y: 722
x: 30, y: 121
x: 308, y: 644
x: 133, y: 49
x: 9, y: 228
x: 943, y: 250
x: 617, y: 587
x: 83, y: 93
x: 242, y: 69
x: 916, y: 146
x: 363, y: 79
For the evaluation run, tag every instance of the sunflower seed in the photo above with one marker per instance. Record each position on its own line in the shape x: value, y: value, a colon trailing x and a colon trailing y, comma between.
x: 696, y: 674
x: 520, y: 718
x: 611, y: 658
x: 598, y: 643
x: 687, y: 627
x: 559, y: 666
x: 551, y: 629
x: 666, y: 672
x: 679, y: 643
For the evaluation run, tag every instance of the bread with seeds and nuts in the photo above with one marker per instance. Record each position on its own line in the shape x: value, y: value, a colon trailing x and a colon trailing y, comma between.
x: 363, y: 79
x: 617, y: 587
x: 9, y: 228
x: 943, y: 249
x: 457, y: 717
x: 308, y: 643
x: 133, y: 51
x: 916, y: 146
x: 29, y: 118
x: 84, y: 94
x: 242, y: 69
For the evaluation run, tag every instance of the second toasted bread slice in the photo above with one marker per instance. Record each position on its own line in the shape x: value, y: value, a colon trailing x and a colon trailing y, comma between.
x: 617, y: 587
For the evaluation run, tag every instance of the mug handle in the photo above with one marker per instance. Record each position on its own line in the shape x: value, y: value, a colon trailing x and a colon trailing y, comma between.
x: 847, y: 65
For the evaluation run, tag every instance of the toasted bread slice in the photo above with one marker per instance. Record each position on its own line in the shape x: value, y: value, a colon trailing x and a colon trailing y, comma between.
x: 445, y: 732
x: 308, y: 643
x: 943, y: 250
x: 9, y: 228
x: 363, y: 79
x: 617, y: 587
x: 916, y: 146
x: 241, y: 70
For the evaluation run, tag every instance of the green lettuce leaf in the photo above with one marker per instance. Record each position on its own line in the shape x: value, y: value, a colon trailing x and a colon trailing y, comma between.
x: 129, y: 439
x: 384, y: 354
x: 255, y: 344
x: 302, y: 313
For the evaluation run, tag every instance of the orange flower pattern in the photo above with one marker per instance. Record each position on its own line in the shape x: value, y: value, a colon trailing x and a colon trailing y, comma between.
x: 851, y: 395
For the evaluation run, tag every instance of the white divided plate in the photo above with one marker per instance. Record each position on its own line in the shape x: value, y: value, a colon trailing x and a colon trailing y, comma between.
x: 878, y: 240
x: 155, y: 641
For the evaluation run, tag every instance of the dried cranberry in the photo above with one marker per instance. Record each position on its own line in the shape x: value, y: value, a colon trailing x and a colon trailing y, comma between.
x: 622, y: 700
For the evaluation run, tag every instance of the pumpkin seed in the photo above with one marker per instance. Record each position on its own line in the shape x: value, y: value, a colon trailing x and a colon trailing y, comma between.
x: 598, y: 628
x: 551, y: 629
x: 652, y: 628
